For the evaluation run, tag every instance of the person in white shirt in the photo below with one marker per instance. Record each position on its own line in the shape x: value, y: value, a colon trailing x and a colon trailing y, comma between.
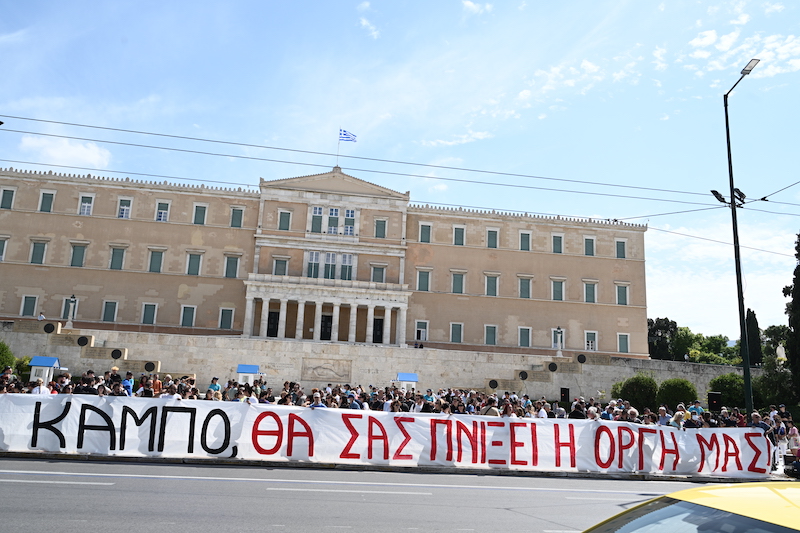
x: 172, y: 393
x: 40, y: 387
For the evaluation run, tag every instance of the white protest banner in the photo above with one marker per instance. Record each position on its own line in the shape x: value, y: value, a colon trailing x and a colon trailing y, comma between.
x: 140, y: 427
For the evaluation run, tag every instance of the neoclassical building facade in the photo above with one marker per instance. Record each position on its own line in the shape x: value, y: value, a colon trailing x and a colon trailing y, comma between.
x: 321, y: 258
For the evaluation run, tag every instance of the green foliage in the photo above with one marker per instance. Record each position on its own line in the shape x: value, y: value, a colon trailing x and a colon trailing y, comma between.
x: 6, y: 357
x: 640, y: 390
x: 793, y: 337
x: 660, y: 337
x: 731, y: 386
x: 775, y: 384
x: 22, y: 368
x: 775, y: 336
x: 754, y: 340
x: 685, y: 340
x: 616, y: 389
x: 707, y: 358
x: 673, y: 391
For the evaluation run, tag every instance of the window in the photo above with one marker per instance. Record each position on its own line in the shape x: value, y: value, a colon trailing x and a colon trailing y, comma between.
x: 46, y: 201
x: 330, y: 266
x: 313, y: 265
x: 162, y: 211
x: 156, y: 260
x: 236, y: 217
x: 423, y: 280
x: 117, y: 258
x: 124, y: 208
x: 380, y: 229
x: 187, y: 316
x: 149, y: 313
x: 558, y: 290
x: 316, y: 220
x: 491, y: 285
x: 86, y: 205
x: 456, y: 332
x: 109, y: 312
x: 2, y: 249
x: 458, y: 283
x: 591, y: 341
x: 525, y: 337
x: 65, y: 309
x: 622, y: 342
x: 347, y: 267
x: 284, y: 220
x: 620, y: 245
x: 525, y: 241
x: 28, y: 306
x: 350, y: 222
x: 193, y: 264
x: 422, y: 330
x: 231, y: 266
x: 199, y: 214
x: 7, y: 199
x: 490, y: 334
x: 491, y: 238
x: 622, y: 295
x: 78, y: 254
x: 379, y: 274
x: 588, y: 246
x: 558, y: 244
x: 558, y: 336
x: 524, y: 287
x: 590, y: 292
x: 225, y: 318
x: 38, y: 250
x: 333, y: 221
x: 424, y: 233
x: 281, y: 267
x: 458, y: 236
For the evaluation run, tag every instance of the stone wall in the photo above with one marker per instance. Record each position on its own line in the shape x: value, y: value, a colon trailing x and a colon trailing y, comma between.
x: 318, y: 363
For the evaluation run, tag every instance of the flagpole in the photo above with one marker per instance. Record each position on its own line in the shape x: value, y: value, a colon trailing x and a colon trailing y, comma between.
x: 337, y: 146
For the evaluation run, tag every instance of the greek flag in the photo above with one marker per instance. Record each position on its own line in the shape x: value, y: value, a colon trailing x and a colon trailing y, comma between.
x: 345, y: 135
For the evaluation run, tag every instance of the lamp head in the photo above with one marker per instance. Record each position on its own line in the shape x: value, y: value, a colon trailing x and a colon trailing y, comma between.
x: 750, y: 66
x: 719, y: 197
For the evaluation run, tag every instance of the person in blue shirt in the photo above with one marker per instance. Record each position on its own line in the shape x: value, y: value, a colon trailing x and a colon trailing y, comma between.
x: 127, y: 383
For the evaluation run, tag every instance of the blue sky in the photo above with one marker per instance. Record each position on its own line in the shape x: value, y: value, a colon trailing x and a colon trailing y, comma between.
x: 603, y: 99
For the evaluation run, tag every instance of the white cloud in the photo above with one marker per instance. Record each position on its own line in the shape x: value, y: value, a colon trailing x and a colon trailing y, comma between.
x: 589, y: 67
x: 542, y: 116
x: 10, y: 38
x: 522, y: 6
x: 773, y: 8
x: 363, y: 6
x: 66, y: 152
x: 700, y: 54
x: 476, y: 9
x: 661, y: 6
x: 371, y: 29
x: 742, y: 19
x: 726, y: 41
x: 704, y: 38
x: 524, y: 94
x: 664, y: 117
x: 659, y: 53
x: 472, y: 136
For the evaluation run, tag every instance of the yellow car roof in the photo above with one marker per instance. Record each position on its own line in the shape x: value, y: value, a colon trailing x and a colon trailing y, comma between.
x: 776, y: 502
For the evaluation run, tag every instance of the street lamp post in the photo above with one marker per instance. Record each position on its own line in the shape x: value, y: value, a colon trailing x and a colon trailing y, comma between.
x: 737, y: 195
x: 559, y: 341
x: 72, y: 301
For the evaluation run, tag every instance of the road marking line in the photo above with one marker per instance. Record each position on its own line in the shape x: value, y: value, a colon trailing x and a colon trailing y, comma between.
x: 50, y: 482
x: 323, y: 482
x: 282, y: 489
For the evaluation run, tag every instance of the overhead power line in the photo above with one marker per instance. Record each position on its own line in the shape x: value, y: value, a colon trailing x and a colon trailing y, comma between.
x: 378, y: 160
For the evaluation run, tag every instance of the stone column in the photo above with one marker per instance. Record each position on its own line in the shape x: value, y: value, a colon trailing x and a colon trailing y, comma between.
x: 301, y: 312
x: 264, y: 316
x: 351, y: 332
x: 282, y: 319
x: 401, y: 326
x: 387, y: 325
x: 370, y: 322
x: 335, y: 322
x: 247, y: 326
x: 317, y: 320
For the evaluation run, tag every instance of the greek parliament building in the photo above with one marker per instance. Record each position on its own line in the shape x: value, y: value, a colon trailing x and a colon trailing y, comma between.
x: 328, y: 258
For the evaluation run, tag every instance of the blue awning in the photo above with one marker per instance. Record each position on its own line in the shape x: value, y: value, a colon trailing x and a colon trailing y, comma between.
x: 247, y: 369
x: 41, y: 360
x: 407, y: 376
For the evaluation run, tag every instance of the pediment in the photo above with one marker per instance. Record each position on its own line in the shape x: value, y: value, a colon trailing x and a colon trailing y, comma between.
x: 336, y: 182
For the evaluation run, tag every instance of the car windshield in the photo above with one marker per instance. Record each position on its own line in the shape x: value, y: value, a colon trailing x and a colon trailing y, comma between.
x: 676, y: 516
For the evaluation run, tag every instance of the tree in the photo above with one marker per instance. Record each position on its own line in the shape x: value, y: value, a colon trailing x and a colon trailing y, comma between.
x: 793, y: 312
x: 673, y: 391
x: 753, y: 338
x: 6, y: 357
x: 775, y: 336
x: 775, y: 384
x: 660, y: 336
x: 684, y: 341
x: 640, y: 390
x: 731, y: 386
